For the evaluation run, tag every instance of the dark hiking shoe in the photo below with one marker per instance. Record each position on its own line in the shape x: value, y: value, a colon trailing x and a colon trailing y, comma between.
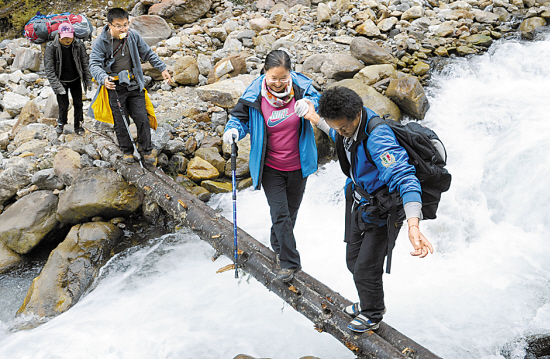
x: 150, y: 159
x: 286, y: 274
x: 362, y: 324
x: 79, y: 131
x: 128, y: 158
x: 59, y: 129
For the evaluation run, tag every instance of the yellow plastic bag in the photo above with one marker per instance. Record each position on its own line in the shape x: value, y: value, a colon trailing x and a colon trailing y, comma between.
x: 101, y: 109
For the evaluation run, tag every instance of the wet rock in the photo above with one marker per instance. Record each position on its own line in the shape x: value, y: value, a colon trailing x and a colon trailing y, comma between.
x: 375, y: 73
x: 178, y: 164
x: 212, y: 156
x: 24, y: 224
x: 202, y: 193
x: 370, y: 52
x: 480, y: 40
x: 529, y: 26
x: 199, y: 170
x: 66, y: 165
x: 16, y: 175
x: 70, y: 269
x: 372, y: 98
x: 421, y: 68
x: 217, y: 187
x: 97, y: 192
x: 465, y: 50
x: 409, y: 95
x: 8, y: 258
x: 152, y: 28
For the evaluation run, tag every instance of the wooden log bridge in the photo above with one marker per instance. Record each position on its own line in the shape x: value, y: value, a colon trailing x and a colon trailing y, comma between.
x: 307, y: 295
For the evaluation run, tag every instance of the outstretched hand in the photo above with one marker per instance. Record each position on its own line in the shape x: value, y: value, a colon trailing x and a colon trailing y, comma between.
x: 420, y: 244
x: 166, y: 76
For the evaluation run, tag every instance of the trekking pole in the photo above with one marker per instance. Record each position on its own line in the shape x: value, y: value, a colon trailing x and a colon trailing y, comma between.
x: 128, y: 129
x: 234, y: 187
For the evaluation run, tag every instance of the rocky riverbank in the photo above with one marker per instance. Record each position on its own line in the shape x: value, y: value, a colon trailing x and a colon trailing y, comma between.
x: 384, y: 50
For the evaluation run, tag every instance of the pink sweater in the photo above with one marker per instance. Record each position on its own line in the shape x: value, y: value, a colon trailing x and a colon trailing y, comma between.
x: 283, y: 132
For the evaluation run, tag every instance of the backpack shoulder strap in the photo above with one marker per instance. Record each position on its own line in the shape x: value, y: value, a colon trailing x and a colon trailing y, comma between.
x: 371, y: 125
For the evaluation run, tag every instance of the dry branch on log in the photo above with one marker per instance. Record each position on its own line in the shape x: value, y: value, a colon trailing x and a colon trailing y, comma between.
x: 307, y: 295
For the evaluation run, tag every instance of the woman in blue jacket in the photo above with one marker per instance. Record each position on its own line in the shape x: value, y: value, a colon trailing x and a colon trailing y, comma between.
x: 367, y: 234
x: 283, y: 151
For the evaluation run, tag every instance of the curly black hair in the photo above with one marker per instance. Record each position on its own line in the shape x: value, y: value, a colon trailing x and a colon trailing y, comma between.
x: 340, y: 102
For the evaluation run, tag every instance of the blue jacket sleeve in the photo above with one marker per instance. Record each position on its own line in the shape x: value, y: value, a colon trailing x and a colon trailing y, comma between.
x: 392, y: 161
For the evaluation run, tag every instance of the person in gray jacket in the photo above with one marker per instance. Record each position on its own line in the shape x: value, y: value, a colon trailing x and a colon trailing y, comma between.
x: 115, y: 62
x: 66, y: 67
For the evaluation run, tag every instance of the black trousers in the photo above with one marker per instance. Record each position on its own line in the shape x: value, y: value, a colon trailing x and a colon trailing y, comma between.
x: 284, y: 191
x: 365, y: 253
x: 75, y: 88
x: 133, y: 104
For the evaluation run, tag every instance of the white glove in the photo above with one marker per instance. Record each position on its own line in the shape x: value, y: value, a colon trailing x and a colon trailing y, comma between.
x: 301, y: 107
x: 228, y: 135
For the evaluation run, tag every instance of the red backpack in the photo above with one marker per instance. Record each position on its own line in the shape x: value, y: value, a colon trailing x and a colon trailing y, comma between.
x: 43, y: 28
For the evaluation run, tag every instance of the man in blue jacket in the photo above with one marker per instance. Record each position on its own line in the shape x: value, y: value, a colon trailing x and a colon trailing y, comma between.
x: 368, y: 187
x: 115, y: 62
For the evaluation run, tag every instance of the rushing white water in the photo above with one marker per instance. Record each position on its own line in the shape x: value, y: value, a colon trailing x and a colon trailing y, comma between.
x: 485, y: 287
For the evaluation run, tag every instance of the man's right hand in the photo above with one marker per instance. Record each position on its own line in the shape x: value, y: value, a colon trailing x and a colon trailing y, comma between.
x: 109, y: 84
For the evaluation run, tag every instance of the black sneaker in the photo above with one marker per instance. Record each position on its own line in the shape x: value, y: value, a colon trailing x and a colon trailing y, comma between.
x: 362, y: 324
x: 79, y: 131
x: 59, y: 129
x: 286, y: 274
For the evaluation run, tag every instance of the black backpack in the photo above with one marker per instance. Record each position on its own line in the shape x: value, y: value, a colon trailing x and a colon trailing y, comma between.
x: 427, y: 154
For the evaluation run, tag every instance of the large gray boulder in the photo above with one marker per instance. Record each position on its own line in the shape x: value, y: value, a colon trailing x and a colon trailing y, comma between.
x: 17, y: 175
x: 370, y: 52
x: 181, y: 12
x: 47, y: 180
x: 27, y: 59
x: 24, y: 224
x: 409, y: 95
x: 152, y: 28
x: 225, y: 93
x: 97, y: 192
x: 14, y: 103
x: 341, y: 66
x: 66, y: 165
x: 70, y: 269
x: 8, y: 258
